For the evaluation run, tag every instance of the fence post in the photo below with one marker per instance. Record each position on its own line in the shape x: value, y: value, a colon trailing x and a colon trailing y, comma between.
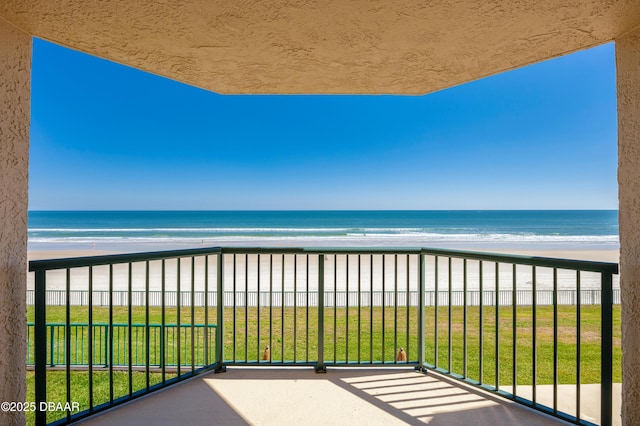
x: 40, y: 342
x: 220, y: 315
x: 606, y: 393
x: 51, y: 346
x: 320, y: 367
x: 421, y: 322
x: 106, y: 345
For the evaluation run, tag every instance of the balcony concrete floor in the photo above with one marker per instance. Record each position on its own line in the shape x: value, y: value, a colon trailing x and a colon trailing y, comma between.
x: 294, y: 396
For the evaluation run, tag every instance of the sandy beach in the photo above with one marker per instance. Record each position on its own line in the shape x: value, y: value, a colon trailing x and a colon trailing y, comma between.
x: 399, y: 272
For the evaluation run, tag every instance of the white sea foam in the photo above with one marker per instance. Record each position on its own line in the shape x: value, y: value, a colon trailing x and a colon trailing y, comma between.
x: 372, y: 236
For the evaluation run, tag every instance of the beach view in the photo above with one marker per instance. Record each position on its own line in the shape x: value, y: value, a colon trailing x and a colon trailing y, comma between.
x: 328, y: 288
x: 582, y: 235
x: 460, y: 248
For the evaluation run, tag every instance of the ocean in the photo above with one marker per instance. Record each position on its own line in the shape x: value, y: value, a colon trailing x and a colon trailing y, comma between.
x: 482, y: 229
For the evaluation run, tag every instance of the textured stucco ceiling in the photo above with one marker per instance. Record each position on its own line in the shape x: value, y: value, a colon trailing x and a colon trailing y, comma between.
x: 330, y: 46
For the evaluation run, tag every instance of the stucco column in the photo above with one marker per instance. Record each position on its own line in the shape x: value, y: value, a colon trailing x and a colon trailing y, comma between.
x: 15, y: 87
x: 628, y: 73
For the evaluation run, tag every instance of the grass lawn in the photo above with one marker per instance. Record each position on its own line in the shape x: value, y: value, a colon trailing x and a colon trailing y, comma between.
x: 292, y: 335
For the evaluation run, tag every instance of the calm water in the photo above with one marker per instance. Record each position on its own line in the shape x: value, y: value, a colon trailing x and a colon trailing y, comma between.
x: 142, y: 230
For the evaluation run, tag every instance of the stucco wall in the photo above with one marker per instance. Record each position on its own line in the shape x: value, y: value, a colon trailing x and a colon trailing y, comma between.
x: 329, y: 46
x: 15, y: 76
x: 628, y: 63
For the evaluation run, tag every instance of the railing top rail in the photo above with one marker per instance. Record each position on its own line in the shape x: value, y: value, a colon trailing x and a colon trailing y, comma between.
x: 78, y: 262
x: 321, y: 250
x: 549, y: 262
x: 583, y: 265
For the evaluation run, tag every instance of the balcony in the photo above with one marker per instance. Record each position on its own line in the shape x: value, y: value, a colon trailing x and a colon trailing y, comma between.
x: 410, y: 334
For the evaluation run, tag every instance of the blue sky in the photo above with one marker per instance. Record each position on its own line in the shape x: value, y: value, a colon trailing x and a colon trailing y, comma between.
x: 108, y: 137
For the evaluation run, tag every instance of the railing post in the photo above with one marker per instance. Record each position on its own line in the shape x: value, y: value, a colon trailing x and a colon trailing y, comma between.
x: 421, y: 315
x: 40, y: 342
x: 220, y: 314
x: 606, y: 393
x: 206, y: 311
x: 320, y: 367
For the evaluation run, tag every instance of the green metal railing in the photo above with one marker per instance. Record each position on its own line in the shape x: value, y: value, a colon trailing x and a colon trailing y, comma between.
x: 491, y: 271
x: 490, y: 320
x: 168, y: 352
x: 160, y: 336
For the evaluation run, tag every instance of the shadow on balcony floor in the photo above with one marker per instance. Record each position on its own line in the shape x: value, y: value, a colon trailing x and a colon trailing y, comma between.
x: 266, y: 396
